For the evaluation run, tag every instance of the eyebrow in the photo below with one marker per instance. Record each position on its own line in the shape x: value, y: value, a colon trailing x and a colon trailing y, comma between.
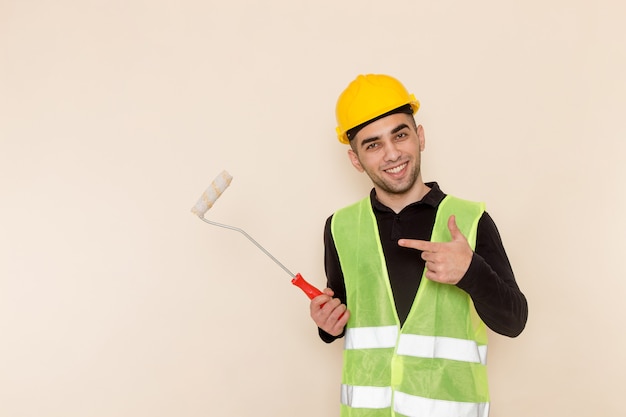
x: 393, y: 131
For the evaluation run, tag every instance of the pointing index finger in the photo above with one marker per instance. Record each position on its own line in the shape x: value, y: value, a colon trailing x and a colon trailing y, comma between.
x: 422, y: 245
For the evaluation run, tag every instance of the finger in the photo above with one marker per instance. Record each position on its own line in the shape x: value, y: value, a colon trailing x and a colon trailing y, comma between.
x: 337, y: 313
x: 343, y: 320
x: 337, y: 327
x: 334, y: 321
x: 455, y: 232
x: 428, y: 256
x: 422, y: 245
x: 434, y: 271
x: 432, y: 267
x: 431, y: 275
x: 323, y: 298
x: 318, y: 303
x: 321, y: 314
x: 434, y: 257
x: 328, y: 307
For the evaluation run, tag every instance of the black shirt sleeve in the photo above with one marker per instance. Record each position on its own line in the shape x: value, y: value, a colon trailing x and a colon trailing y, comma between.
x: 334, y: 275
x: 491, y: 284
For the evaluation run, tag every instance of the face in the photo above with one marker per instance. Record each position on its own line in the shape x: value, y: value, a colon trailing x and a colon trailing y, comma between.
x: 388, y: 151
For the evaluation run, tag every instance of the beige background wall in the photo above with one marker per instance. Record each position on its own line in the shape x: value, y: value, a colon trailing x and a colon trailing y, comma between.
x: 116, y: 115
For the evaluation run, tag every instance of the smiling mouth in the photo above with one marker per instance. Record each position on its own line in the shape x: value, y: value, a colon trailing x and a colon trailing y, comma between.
x: 397, y: 169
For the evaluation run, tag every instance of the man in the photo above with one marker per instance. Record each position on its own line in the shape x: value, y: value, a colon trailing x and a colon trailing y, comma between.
x: 414, y: 275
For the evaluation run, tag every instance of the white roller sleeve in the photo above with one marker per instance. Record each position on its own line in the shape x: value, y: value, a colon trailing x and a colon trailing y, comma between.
x: 212, y: 193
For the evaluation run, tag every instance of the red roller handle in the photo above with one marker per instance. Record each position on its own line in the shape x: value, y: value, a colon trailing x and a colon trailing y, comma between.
x: 308, y: 289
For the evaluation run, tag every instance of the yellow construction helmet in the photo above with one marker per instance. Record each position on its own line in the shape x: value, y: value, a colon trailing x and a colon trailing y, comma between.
x: 368, y: 97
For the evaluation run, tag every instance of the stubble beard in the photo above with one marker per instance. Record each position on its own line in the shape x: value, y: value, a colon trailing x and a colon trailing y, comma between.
x: 393, y: 188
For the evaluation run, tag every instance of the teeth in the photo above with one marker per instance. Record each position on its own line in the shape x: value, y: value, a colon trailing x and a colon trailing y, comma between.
x: 396, y: 169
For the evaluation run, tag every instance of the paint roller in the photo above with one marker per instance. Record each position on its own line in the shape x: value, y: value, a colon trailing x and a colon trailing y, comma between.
x: 206, y: 201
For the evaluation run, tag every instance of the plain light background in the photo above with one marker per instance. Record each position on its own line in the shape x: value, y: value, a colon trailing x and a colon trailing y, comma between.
x: 115, y: 116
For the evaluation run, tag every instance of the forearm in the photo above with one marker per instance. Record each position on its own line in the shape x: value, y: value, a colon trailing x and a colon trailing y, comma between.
x: 338, y: 287
x: 491, y: 283
x: 334, y: 276
x: 499, y: 302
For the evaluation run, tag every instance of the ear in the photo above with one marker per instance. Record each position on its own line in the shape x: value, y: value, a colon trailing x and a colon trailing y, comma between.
x: 354, y: 158
x: 421, y: 137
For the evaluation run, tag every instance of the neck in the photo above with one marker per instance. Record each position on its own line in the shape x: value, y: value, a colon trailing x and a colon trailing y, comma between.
x: 397, y: 202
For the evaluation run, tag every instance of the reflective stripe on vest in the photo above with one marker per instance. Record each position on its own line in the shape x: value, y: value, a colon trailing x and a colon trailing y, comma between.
x: 435, y: 364
x: 416, y: 345
x: 371, y: 337
x: 409, y: 405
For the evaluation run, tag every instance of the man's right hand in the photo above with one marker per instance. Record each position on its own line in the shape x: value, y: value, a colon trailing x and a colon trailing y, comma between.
x: 329, y: 313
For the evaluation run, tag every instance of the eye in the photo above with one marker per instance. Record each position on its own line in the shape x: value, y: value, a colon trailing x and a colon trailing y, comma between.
x: 372, y: 145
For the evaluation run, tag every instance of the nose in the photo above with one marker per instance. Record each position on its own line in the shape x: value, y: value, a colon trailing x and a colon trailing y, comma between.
x: 392, y: 152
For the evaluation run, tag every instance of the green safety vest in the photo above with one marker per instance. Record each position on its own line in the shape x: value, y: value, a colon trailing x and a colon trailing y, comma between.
x: 435, y: 364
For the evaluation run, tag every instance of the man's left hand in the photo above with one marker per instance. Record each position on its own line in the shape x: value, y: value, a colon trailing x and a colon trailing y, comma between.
x: 446, y: 262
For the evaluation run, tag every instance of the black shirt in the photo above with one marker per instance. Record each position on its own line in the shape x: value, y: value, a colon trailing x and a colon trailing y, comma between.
x: 489, y: 280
